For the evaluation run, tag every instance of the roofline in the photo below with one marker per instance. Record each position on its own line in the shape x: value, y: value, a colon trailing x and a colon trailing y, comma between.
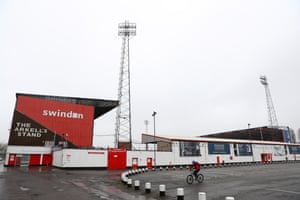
x: 63, y: 97
x: 218, y: 140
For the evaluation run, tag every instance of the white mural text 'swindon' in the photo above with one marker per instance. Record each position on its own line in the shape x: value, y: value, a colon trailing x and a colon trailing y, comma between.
x: 62, y: 114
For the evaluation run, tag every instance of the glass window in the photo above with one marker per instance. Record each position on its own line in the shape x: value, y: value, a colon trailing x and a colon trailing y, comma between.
x: 245, y: 149
x: 218, y: 148
x: 189, y: 149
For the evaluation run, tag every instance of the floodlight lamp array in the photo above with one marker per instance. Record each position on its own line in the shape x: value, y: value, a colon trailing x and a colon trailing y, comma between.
x: 127, y: 29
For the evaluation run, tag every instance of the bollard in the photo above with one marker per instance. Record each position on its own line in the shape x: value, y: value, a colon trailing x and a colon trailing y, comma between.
x: 136, y: 184
x: 201, y: 196
x: 124, y: 177
x: 160, y: 169
x: 162, y: 190
x: 129, y: 182
x: 180, y: 194
x: 148, y: 187
x: 229, y: 198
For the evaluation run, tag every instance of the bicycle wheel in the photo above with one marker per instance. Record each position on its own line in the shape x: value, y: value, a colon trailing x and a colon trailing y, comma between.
x: 190, y: 179
x: 200, y: 178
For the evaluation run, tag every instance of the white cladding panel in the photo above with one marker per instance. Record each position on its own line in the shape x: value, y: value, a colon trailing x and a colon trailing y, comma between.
x: 99, y: 158
x: 80, y: 158
x: 28, y: 150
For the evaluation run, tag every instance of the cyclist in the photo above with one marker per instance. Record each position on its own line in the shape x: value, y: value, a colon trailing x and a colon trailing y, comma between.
x: 196, y: 166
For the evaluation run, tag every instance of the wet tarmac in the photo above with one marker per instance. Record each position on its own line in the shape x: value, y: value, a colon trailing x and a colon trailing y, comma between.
x: 276, y: 181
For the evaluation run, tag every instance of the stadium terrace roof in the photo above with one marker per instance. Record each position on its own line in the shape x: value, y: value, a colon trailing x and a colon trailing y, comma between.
x: 101, y: 106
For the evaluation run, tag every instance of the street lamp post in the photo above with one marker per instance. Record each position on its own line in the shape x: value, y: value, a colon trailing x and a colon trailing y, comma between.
x: 153, y: 115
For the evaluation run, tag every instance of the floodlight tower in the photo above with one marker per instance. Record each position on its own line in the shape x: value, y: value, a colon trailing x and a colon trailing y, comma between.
x: 123, y: 117
x: 271, y: 111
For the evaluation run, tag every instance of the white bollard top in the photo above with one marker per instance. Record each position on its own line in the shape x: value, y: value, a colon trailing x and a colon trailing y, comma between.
x: 180, y: 192
x: 162, y: 188
x: 129, y: 181
x: 148, y: 185
x: 229, y: 198
x: 136, y: 183
x: 201, y: 196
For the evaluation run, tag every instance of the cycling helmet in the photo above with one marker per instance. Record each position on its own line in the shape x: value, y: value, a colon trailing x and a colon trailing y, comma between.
x: 193, y: 161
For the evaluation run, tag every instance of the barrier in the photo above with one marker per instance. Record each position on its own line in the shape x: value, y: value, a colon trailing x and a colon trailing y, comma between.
x: 136, y: 184
x: 201, y: 196
x: 148, y: 187
x: 162, y: 190
x: 129, y: 183
x: 180, y: 194
x: 229, y: 198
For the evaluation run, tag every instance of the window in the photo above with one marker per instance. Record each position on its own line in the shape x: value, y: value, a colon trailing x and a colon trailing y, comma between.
x: 294, y: 149
x: 218, y: 148
x: 245, y: 149
x: 189, y: 149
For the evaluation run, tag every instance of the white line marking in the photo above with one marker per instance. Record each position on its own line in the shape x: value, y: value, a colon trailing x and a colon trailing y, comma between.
x: 286, y: 191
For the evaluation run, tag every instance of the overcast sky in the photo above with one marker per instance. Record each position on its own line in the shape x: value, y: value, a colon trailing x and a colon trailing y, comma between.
x: 196, y: 63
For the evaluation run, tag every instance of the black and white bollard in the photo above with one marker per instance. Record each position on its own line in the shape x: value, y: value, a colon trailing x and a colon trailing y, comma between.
x: 162, y: 190
x: 129, y: 182
x: 124, y: 177
x: 201, y: 196
x: 148, y: 187
x: 136, y: 184
x: 180, y: 194
x: 229, y: 198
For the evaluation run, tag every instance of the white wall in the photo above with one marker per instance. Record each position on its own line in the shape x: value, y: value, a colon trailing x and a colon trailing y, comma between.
x: 25, y: 150
x: 80, y: 158
x: 99, y: 158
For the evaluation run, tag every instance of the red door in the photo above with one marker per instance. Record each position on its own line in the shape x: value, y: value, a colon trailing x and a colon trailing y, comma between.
x: 135, y: 163
x: 35, y: 159
x: 218, y: 160
x: 12, y: 160
x: 47, y: 159
x: 116, y: 159
x: 149, y: 163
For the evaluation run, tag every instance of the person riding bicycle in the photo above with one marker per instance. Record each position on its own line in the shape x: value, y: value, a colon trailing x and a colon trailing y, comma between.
x: 196, y: 166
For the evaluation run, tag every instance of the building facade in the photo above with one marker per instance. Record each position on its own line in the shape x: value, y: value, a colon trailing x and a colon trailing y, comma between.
x: 42, y: 123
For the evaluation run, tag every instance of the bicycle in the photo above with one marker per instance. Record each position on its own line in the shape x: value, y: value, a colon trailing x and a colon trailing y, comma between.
x: 191, y: 177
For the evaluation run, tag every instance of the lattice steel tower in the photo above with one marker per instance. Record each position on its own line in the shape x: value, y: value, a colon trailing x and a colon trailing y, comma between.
x: 123, y: 118
x: 271, y: 111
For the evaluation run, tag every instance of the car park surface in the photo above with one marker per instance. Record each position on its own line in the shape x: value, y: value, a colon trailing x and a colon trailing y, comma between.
x: 271, y: 181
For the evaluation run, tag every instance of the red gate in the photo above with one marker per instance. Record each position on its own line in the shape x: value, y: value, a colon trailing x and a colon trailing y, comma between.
x: 116, y: 159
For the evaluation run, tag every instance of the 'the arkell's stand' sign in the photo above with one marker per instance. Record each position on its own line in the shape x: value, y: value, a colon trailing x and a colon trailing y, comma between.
x: 27, y: 130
